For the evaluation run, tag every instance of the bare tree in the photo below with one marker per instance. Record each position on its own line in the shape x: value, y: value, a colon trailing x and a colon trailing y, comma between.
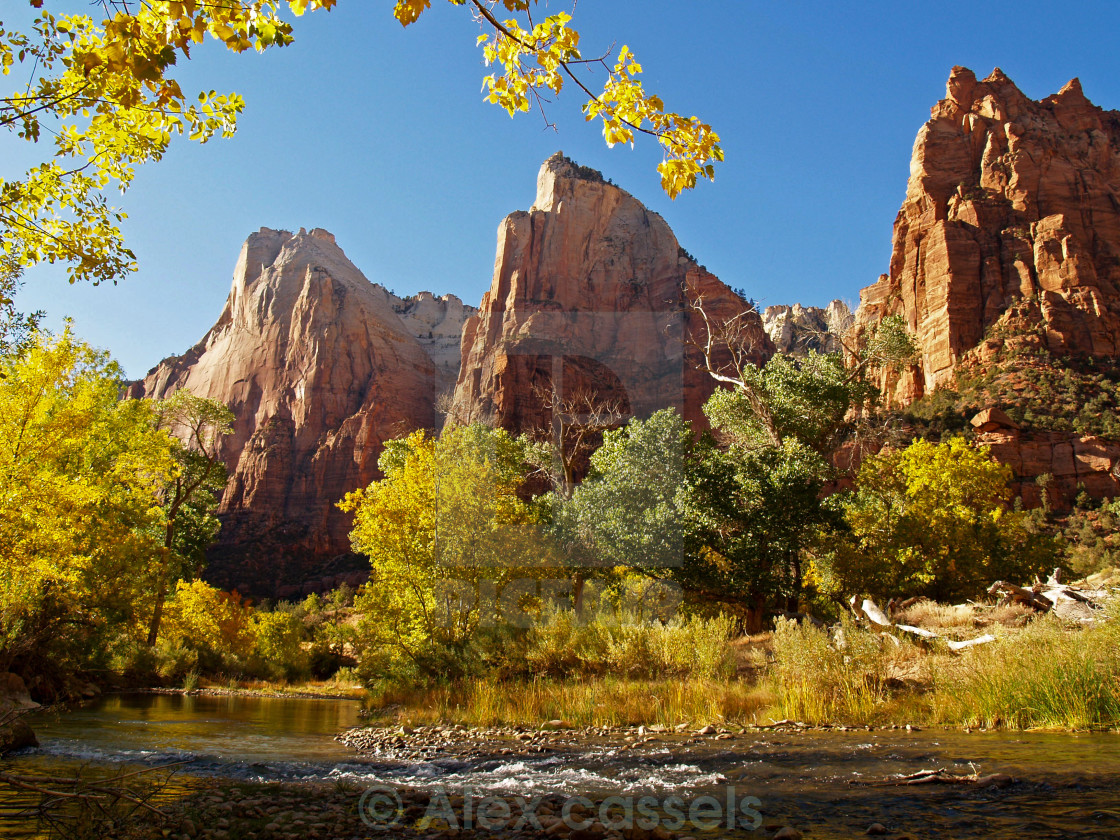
x: 576, y: 424
x: 729, y: 348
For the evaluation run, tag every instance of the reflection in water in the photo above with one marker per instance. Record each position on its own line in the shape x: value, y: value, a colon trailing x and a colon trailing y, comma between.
x: 1067, y: 785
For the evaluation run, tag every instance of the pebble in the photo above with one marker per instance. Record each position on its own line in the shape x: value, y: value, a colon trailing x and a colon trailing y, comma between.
x: 876, y: 829
x: 787, y: 833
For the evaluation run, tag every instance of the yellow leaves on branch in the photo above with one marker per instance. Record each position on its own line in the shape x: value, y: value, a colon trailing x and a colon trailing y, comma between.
x: 104, y: 91
x: 540, y: 57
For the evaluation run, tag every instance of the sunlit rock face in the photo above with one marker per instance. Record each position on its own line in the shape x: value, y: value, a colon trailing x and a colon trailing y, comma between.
x: 1008, y: 200
x: 588, y: 295
x: 319, y: 366
x: 798, y: 329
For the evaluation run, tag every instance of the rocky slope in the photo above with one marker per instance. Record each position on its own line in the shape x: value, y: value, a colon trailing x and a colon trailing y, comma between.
x: 1008, y: 200
x: 798, y: 329
x: 1006, y: 267
x: 319, y: 368
x: 587, y: 296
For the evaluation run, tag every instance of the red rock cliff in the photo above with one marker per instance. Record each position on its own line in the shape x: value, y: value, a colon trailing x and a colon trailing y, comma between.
x: 318, y: 370
x: 1008, y: 199
x: 588, y: 286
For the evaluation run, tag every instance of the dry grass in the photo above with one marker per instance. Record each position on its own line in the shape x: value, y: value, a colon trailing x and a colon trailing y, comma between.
x: 1046, y: 675
x: 934, y: 616
x: 343, y: 687
x: 601, y: 701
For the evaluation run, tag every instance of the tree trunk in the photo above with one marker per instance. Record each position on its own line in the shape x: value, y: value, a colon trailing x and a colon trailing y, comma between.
x: 578, y: 582
x: 157, y: 615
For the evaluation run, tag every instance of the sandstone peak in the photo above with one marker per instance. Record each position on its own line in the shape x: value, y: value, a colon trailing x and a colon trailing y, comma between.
x: 319, y: 366
x: 798, y: 329
x: 560, y: 178
x: 1010, y: 201
x: 588, y: 287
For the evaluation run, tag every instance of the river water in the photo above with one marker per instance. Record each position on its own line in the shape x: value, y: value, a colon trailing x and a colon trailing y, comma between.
x: 1065, y: 785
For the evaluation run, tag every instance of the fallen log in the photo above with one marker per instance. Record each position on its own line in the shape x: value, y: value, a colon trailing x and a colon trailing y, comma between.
x: 979, y: 640
x: 1019, y: 595
x: 874, y: 614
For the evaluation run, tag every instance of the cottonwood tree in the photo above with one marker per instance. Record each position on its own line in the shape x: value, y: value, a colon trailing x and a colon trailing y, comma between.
x: 758, y: 500
x: 191, y: 496
x: 445, y: 530
x: 106, y: 94
x: 80, y: 476
x: 933, y: 519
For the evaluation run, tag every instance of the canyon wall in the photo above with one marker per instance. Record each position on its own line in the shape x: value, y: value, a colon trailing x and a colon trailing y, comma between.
x: 1008, y: 200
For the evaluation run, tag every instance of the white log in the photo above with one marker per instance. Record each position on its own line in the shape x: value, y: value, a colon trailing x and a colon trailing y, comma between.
x: 979, y: 640
x: 876, y: 615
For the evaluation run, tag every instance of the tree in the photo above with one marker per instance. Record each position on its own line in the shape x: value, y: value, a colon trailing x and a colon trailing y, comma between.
x: 628, y: 509
x: 107, y: 96
x: 756, y: 506
x: 444, y: 531
x: 80, y: 478
x: 751, y: 514
x: 16, y: 328
x: 933, y: 519
x: 192, y: 494
x: 805, y: 399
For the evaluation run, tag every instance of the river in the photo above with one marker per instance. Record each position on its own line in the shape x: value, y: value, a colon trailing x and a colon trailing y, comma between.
x: 1066, y: 785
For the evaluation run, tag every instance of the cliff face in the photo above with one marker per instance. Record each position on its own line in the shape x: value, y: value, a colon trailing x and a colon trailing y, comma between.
x: 798, y: 329
x: 587, y: 296
x: 1008, y: 200
x: 319, y: 369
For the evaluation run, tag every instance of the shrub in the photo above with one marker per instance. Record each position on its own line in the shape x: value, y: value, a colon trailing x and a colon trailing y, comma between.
x: 934, y: 520
x: 278, y: 646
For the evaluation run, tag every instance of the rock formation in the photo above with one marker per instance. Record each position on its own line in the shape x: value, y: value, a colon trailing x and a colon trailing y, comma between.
x: 1009, y: 200
x: 1059, y: 464
x: 588, y: 296
x: 437, y: 323
x: 319, y: 369
x: 798, y: 329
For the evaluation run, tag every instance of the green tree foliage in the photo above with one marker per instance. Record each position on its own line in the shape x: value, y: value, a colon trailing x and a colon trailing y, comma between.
x: 80, y: 477
x: 933, y: 520
x: 752, y: 513
x: 755, y: 505
x: 803, y: 399
x: 445, y: 531
x: 106, y: 94
x: 628, y: 512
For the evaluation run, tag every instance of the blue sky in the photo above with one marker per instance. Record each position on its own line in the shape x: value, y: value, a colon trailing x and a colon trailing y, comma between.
x: 380, y: 135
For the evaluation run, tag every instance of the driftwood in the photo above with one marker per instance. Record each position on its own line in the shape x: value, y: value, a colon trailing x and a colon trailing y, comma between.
x: 1019, y: 595
x: 870, y: 611
x: 967, y: 643
x: 1065, y: 601
x: 930, y: 777
x: 898, y: 605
